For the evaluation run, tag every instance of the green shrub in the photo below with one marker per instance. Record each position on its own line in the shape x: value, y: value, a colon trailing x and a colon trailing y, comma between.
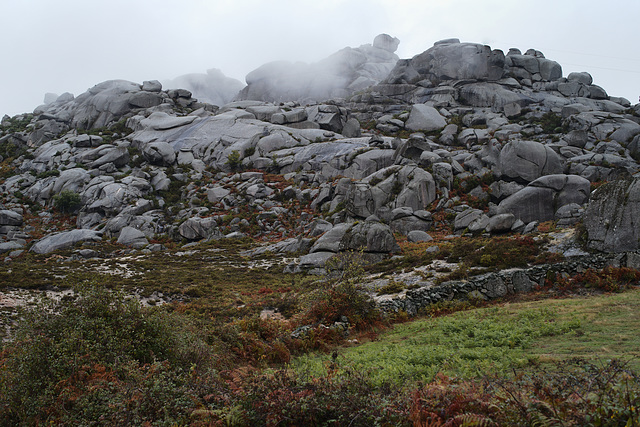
x: 496, y: 253
x: 397, y: 188
x: 112, y: 132
x: 17, y: 124
x: 346, y: 399
x: 249, y: 151
x: 67, y: 201
x: 343, y: 296
x: 47, y: 174
x: 173, y: 194
x: 609, y: 279
x: 234, y: 161
x: 375, y: 181
x: 12, y: 148
x: 392, y: 287
x: 98, y: 357
x: 551, y: 123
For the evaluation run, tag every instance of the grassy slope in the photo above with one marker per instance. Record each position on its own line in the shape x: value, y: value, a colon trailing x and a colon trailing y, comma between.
x: 496, y: 339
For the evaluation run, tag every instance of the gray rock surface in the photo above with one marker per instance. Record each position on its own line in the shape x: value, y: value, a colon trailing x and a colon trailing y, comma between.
x: 314, y: 260
x: 467, y: 217
x: 132, y: 237
x: 540, y: 200
x: 330, y: 241
x: 611, y: 217
x: 10, y: 246
x: 418, y: 236
x: 161, y: 162
x: 8, y: 217
x: 425, y: 117
x: 159, y: 153
x: 197, y: 228
x: 450, y: 60
x: 65, y: 240
x: 370, y: 237
x: 528, y: 160
x: 501, y: 223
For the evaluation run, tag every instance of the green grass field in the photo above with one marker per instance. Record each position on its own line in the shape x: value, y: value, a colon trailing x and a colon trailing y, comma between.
x: 496, y: 340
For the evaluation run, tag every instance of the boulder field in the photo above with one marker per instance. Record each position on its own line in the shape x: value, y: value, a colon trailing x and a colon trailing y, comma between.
x: 345, y: 154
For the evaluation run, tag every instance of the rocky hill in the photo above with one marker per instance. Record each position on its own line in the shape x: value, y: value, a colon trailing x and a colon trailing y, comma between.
x: 460, y: 138
x: 420, y: 186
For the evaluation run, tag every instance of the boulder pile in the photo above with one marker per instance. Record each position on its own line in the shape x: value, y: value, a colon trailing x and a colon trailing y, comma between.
x: 460, y: 136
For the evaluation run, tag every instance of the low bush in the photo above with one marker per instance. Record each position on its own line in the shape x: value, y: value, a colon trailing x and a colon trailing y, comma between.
x: 67, y: 201
x: 342, y: 298
x: 285, y: 399
x: 609, y: 279
x: 100, y: 355
x: 234, y: 160
x: 494, y: 254
x: 569, y: 393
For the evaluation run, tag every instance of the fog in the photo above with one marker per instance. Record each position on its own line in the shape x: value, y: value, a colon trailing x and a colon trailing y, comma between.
x: 69, y: 46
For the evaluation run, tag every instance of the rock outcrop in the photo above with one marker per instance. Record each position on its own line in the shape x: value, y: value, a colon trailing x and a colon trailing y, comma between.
x: 65, y: 240
x: 612, y: 218
x: 542, y: 198
x: 460, y: 137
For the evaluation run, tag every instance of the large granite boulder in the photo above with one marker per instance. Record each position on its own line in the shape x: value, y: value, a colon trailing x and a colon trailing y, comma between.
x: 212, y: 139
x: 372, y: 237
x: 426, y: 118
x: 159, y: 153
x: 330, y: 241
x: 160, y: 121
x: 10, y: 246
x: 540, y: 200
x: 71, y: 180
x: 526, y: 161
x: 197, y: 228
x: 450, y: 60
x: 132, y: 237
x: 96, y: 157
x: 104, y: 103
x: 137, y: 217
x: 472, y: 219
x: 64, y: 240
x: 369, y: 236
x: 8, y: 217
x: 105, y: 196
x: 492, y: 95
x: 611, y: 218
x: 390, y: 188
x: 532, y: 66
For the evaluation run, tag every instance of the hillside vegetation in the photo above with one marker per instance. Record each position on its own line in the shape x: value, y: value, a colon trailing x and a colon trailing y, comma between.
x: 446, y: 240
x: 99, y: 355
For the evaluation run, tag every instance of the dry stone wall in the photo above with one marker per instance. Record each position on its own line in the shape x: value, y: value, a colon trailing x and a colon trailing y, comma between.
x: 503, y: 283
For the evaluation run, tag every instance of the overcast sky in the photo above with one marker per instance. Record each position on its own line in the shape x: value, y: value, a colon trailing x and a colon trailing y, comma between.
x: 70, y: 45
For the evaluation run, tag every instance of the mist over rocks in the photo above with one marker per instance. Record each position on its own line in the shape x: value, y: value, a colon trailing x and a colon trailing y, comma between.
x: 212, y: 87
x: 338, y: 76
x: 357, y: 150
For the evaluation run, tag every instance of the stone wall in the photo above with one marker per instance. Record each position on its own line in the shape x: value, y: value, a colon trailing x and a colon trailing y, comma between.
x: 502, y: 283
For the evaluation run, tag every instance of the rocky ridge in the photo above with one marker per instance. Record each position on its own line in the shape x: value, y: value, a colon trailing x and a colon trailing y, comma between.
x: 460, y: 137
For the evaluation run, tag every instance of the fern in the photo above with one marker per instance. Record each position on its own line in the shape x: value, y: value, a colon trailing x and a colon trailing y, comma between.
x: 471, y: 420
x: 541, y: 415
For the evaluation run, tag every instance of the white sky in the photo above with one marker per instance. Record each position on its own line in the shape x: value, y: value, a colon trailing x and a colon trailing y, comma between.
x: 70, y: 45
